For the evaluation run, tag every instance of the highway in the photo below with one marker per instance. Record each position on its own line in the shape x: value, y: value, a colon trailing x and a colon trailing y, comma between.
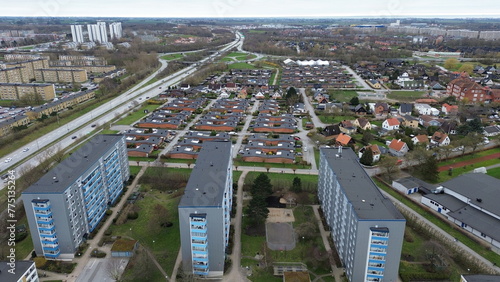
x: 64, y: 136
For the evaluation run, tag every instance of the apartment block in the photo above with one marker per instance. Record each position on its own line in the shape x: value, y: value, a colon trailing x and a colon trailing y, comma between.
x: 68, y: 202
x: 88, y: 68
x: 204, y: 211
x: 14, y: 75
x: 83, y: 60
x: 23, y: 57
x: 77, y: 33
x: 366, y: 227
x: 7, y: 125
x: 29, y: 67
x: 115, y: 30
x: 97, y: 32
x: 61, y: 75
x: 16, y: 91
x: 25, y: 271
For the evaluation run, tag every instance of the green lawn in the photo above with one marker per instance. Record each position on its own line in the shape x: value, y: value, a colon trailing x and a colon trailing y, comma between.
x: 136, y: 115
x: 134, y: 170
x: 171, y: 57
x: 163, y: 242
x: 25, y: 247
x: 256, y: 31
x: 444, y: 175
x: 236, y: 54
x: 285, y: 180
x: 445, y: 225
x: 109, y: 131
x: 241, y: 66
x: 271, y: 165
x: 406, y: 96
x: 334, y: 119
x: 470, y: 156
x: 342, y: 95
x: 495, y: 172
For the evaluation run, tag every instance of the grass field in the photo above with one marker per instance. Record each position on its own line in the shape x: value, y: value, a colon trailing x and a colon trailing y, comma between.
x: 405, y: 96
x: 241, y: 66
x: 342, y: 95
x: 163, y: 242
x: 334, y: 119
x: 171, y: 57
x: 495, y: 172
x: 136, y: 115
x: 270, y: 165
x: 109, y: 131
x: 284, y: 180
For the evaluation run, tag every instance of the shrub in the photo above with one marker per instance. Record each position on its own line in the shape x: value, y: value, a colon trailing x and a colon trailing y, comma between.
x: 132, y: 215
x: 40, y: 262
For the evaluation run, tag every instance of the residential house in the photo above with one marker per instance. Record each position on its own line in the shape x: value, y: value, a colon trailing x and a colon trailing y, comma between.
x: 398, y: 148
x: 373, y: 83
x: 449, y: 127
x: 405, y: 109
x: 440, y: 139
x: 347, y: 127
x: 391, y: 124
x: 410, y: 121
x: 362, y: 123
x: 277, y: 95
x: 331, y: 131
x: 425, y: 109
x: 427, y: 121
x: 375, y: 152
x: 343, y: 139
x: 381, y: 109
x: 421, y: 139
x: 259, y: 95
x: 492, y: 130
x: 448, y: 109
x: 143, y: 150
x: 299, y: 108
x: 360, y: 110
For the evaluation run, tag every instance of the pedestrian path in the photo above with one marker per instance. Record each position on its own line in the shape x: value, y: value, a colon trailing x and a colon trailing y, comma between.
x: 469, y: 162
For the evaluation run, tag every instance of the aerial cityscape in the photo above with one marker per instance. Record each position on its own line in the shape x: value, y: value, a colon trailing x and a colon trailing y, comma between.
x: 237, y: 141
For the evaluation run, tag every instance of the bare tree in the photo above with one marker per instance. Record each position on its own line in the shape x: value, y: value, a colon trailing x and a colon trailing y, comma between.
x: 113, y: 268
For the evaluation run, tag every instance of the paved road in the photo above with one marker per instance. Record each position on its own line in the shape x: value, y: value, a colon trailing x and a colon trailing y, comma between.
x: 243, y: 133
x: 81, y: 126
x: 308, y: 106
x: 236, y: 274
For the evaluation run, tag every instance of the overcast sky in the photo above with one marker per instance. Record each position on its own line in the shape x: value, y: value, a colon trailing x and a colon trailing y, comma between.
x: 250, y: 8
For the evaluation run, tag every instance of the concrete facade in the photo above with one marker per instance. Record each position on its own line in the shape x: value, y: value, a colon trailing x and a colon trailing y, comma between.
x: 68, y: 202
x: 366, y: 227
x: 204, y: 211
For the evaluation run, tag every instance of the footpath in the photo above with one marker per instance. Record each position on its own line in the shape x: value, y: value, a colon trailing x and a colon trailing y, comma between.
x: 469, y: 162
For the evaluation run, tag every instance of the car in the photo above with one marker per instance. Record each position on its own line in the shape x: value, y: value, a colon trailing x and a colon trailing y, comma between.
x: 8, y: 160
x: 296, y: 138
x: 456, y: 149
x: 305, y: 149
x: 147, y: 97
x: 93, y: 125
x: 159, y: 87
x: 74, y: 137
x: 298, y: 146
x: 26, y: 149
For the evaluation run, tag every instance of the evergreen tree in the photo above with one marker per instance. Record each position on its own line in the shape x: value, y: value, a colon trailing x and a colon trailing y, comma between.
x: 296, y: 185
x: 367, y: 157
x: 354, y: 101
x: 262, y: 186
x: 430, y: 169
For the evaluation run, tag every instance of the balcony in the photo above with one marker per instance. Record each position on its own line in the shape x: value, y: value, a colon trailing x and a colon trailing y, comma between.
x: 49, y: 241
x: 198, y: 219
x: 200, y: 257
x: 54, y: 248
x: 45, y: 228
x: 41, y: 208
x: 47, y: 220
x: 53, y: 254
x: 203, y: 265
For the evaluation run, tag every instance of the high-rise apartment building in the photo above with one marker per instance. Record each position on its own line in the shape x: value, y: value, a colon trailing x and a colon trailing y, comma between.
x: 68, y: 202
x: 204, y: 211
x: 97, y: 32
x: 77, y: 33
x: 366, y: 227
x: 115, y: 30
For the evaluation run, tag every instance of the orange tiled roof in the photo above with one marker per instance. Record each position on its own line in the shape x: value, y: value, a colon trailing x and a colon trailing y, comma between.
x: 397, y: 144
x: 343, y: 139
x: 392, y: 121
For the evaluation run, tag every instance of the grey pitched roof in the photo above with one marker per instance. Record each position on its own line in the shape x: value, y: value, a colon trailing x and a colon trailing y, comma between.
x: 478, y: 186
x: 478, y: 220
x: 448, y: 201
x: 406, y: 108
